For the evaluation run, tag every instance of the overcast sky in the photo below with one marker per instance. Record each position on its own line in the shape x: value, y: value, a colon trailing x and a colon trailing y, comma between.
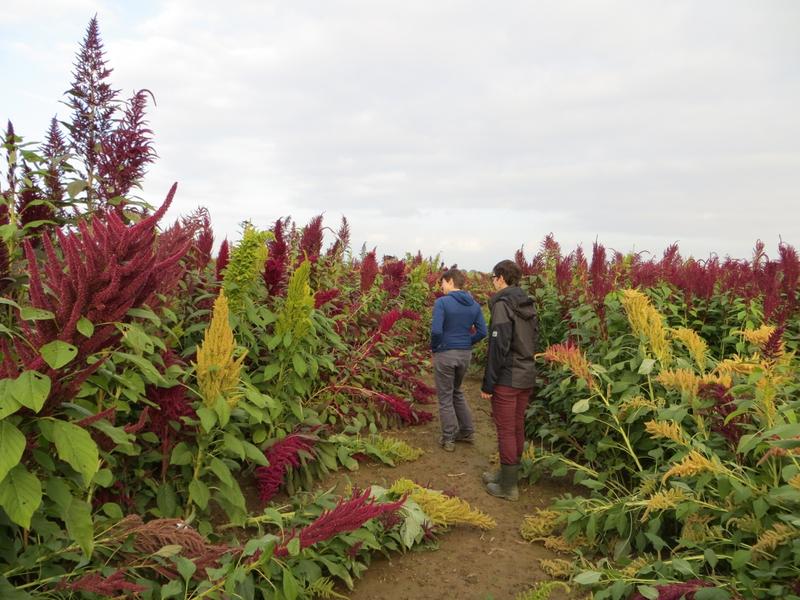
x: 466, y: 128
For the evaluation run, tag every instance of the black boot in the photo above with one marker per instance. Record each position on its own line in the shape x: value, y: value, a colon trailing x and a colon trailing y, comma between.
x: 490, y: 476
x: 506, y: 486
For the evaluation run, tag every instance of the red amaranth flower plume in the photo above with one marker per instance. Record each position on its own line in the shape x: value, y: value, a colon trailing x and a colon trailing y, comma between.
x: 403, y: 409
x: 112, y: 586
x: 733, y: 429
x: 54, y: 151
x: 322, y: 297
x: 282, y: 456
x: 277, y: 259
x: 222, y: 259
x: 311, y: 240
x: 172, y: 405
x: 347, y: 515
x: 369, y: 270
x: 104, y: 269
x: 31, y: 204
x: 126, y: 151
x: 394, y: 277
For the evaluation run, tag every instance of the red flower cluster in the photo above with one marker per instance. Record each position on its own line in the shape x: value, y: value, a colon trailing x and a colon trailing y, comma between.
x: 277, y: 260
x: 347, y: 515
x: 322, y: 297
x: 311, y: 240
x: 112, y: 586
x: 394, y: 277
x: 403, y: 409
x: 222, y: 259
x: 676, y: 591
x: 282, y: 456
x: 369, y: 270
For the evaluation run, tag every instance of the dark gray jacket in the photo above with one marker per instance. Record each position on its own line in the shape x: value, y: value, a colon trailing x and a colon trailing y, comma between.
x: 513, y: 333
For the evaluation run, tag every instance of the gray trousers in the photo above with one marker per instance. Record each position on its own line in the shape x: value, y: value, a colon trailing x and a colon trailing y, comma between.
x: 449, y: 368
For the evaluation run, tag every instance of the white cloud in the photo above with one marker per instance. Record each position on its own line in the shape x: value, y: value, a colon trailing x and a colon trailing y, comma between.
x: 638, y: 122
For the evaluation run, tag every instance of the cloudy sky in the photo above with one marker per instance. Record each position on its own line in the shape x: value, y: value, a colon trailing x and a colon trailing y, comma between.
x: 461, y: 127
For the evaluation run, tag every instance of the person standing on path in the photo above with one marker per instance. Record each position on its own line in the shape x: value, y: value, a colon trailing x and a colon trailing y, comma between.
x: 510, y: 373
x: 457, y: 325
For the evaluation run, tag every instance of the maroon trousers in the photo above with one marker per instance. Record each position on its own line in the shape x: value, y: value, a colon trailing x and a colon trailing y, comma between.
x: 508, y: 412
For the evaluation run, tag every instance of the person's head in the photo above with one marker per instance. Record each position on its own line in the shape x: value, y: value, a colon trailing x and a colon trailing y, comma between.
x: 452, y: 279
x: 506, y: 273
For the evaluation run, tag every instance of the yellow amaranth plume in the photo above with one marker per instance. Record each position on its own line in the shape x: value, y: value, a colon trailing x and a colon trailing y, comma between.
x: 217, y: 370
x: 666, y: 429
x: 758, y: 336
x: 664, y: 500
x: 557, y: 567
x: 739, y: 365
x: 696, y: 345
x: 696, y: 530
x: 646, y: 321
x: 543, y: 523
x: 684, y: 380
x: 773, y: 537
x: 693, y: 463
x: 397, y: 450
x: 573, y: 358
x: 443, y: 510
x: 795, y: 482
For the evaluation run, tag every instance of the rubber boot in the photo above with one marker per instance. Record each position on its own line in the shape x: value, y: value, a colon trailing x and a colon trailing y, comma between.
x: 490, y: 476
x: 506, y: 487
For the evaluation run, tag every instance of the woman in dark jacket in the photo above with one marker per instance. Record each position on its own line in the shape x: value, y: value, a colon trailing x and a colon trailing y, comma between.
x: 510, y: 373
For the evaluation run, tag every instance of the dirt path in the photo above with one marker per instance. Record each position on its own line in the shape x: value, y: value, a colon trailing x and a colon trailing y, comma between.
x: 470, y: 563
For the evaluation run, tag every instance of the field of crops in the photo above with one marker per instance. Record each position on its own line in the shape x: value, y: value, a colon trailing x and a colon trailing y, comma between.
x: 167, y: 410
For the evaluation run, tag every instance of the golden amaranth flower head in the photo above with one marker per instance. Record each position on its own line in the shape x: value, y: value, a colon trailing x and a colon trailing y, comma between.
x: 217, y: 370
x: 647, y: 322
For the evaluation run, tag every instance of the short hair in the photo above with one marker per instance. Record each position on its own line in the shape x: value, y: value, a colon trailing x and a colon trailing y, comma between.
x: 456, y: 276
x: 508, y: 270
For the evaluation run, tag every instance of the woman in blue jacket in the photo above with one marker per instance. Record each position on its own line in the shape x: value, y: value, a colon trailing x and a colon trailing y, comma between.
x: 452, y: 337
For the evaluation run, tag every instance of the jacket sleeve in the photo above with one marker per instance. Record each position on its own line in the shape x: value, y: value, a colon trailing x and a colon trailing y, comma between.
x: 480, y: 327
x: 437, y: 324
x: 500, y: 337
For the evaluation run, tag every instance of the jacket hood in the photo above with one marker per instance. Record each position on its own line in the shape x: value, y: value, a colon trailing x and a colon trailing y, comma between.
x: 462, y: 297
x: 521, y: 304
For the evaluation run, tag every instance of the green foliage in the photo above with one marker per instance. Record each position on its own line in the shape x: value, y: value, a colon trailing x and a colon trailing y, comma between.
x: 242, y: 277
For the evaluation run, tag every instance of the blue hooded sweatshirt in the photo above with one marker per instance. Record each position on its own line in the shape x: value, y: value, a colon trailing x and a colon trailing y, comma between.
x: 453, y: 318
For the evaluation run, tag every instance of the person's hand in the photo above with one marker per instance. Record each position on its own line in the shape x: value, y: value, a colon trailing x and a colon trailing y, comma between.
x: 486, y: 396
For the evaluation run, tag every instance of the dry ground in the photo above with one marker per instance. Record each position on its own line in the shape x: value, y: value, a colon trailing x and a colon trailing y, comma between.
x: 470, y: 564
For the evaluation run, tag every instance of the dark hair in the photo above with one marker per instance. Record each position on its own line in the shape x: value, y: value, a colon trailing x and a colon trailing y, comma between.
x: 457, y: 277
x: 508, y: 270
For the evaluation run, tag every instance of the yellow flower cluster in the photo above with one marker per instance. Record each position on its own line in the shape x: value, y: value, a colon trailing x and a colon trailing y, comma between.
x: 666, y: 429
x: 758, y: 336
x: 688, y: 382
x: 443, y: 510
x: 795, y: 482
x: 696, y: 530
x: 646, y: 321
x: 216, y: 369
x: 397, y: 450
x: 573, y: 358
x: 243, y: 273
x: 696, y: 345
x: 539, y: 525
x: 543, y: 590
x: 664, y: 500
x: 294, y: 320
x: 557, y: 567
x: 632, y: 568
x: 777, y: 535
x: 631, y: 404
x: 693, y: 463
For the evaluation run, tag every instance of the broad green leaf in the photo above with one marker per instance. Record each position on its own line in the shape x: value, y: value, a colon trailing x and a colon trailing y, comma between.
x: 76, y: 447
x: 198, y: 493
x: 29, y: 313
x: 648, y: 591
x: 299, y: 364
x: 145, y: 313
x: 169, y: 550
x: 587, y: 577
x: 290, y: 589
x: 740, y: 558
x: 646, y: 368
x: 221, y: 470
x: 20, y: 495
x: 8, y: 404
x: 12, y: 444
x: 173, y: 588
x: 85, y: 327
x: 233, y: 445
x: 185, y: 566
x: 271, y: 370
x: 208, y: 418
x: 58, y: 353
x: 581, y: 406
x: 148, y: 371
x: 57, y: 490
x: 79, y: 525
x: 255, y: 454
x: 30, y: 389
x: 293, y: 546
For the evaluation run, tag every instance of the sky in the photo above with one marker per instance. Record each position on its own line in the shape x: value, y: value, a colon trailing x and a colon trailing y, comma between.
x: 463, y: 128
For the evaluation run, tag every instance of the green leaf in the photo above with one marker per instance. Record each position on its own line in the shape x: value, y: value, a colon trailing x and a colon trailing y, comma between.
x: 208, y: 418
x: 198, y: 493
x: 185, y: 567
x: 29, y: 313
x: 58, y: 491
x: 255, y: 454
x: 169, y: 550
x: 290, y: 588
x: 30, y: 389
x: 711, y: 594
x: 648, y: 591
x: 85, y: 327
x: 646, y: 368
x: 740, y: 558
x: 233, y: 445
x: 75, y: 446
x: 181, y: 455
x: 8, y: 404
x: 103, y: 478
x: 173, y: 588
x: 148, y: 371
x: 75, y: 187
x: 587, y: 577
x: 293, y: 546
x: 299, y: 364
x: 12, y: 444
x: 58, y: 353
x: 20, y: 495
x: 145, y: 313
x: 79, y: 525
x: 580, y: 406
x: 221, y: 470
x: 711, y: 557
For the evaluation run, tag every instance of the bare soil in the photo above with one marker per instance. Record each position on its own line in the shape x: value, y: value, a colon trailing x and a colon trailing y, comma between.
x: 469, y: 563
